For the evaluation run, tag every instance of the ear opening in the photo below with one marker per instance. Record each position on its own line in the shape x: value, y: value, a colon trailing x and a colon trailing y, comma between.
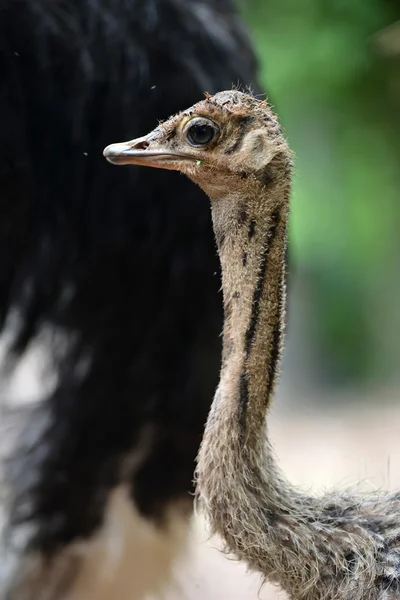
x: 257, y: 150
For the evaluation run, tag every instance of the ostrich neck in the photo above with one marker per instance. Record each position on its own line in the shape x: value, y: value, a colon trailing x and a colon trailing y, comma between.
x: 234, y: 460
x: 251, y: 235
x: 315, y: 548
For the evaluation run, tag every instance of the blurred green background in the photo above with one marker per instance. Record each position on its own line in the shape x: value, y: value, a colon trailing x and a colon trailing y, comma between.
x: 332, y: 71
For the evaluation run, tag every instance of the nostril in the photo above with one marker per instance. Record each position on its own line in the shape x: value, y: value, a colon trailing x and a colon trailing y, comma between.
x: 141, y: 145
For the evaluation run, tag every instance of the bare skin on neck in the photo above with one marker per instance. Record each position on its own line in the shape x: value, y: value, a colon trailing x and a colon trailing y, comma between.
x: 339, y: 546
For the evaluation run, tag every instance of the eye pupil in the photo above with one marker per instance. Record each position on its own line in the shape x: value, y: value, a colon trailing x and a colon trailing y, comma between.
x: 200, y: 134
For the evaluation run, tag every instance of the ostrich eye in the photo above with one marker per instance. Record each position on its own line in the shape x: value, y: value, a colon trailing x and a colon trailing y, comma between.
x: 200, y: 132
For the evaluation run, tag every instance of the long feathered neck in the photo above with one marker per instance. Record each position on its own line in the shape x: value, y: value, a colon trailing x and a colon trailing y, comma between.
x: 251, y: 236
x: 337, y: 546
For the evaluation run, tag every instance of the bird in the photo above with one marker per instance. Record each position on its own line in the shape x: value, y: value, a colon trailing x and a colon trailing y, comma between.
x: 101, y: 273
x: 342, y: 545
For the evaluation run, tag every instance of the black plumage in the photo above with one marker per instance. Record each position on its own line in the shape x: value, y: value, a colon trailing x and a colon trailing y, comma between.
x: 119, y: 266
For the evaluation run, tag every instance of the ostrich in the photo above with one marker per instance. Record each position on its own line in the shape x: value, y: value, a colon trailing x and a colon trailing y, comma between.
x: 105, y: 377
x: 341, y: 545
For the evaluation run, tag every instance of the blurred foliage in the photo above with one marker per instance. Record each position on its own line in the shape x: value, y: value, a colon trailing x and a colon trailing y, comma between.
x: 332, y: 70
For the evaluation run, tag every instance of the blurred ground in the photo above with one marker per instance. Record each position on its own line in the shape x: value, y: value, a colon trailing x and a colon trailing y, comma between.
x: 346, y: 440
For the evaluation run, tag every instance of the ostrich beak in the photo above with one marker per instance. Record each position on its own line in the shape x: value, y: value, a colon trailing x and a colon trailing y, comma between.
x: 146, y: 151
x: 134, y: 152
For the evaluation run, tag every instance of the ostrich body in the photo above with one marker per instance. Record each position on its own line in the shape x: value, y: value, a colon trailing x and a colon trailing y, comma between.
x: 339, y: 546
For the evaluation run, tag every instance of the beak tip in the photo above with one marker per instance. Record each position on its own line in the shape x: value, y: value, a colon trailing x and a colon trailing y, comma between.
x: 108, y: 151
x: 114, y: 153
